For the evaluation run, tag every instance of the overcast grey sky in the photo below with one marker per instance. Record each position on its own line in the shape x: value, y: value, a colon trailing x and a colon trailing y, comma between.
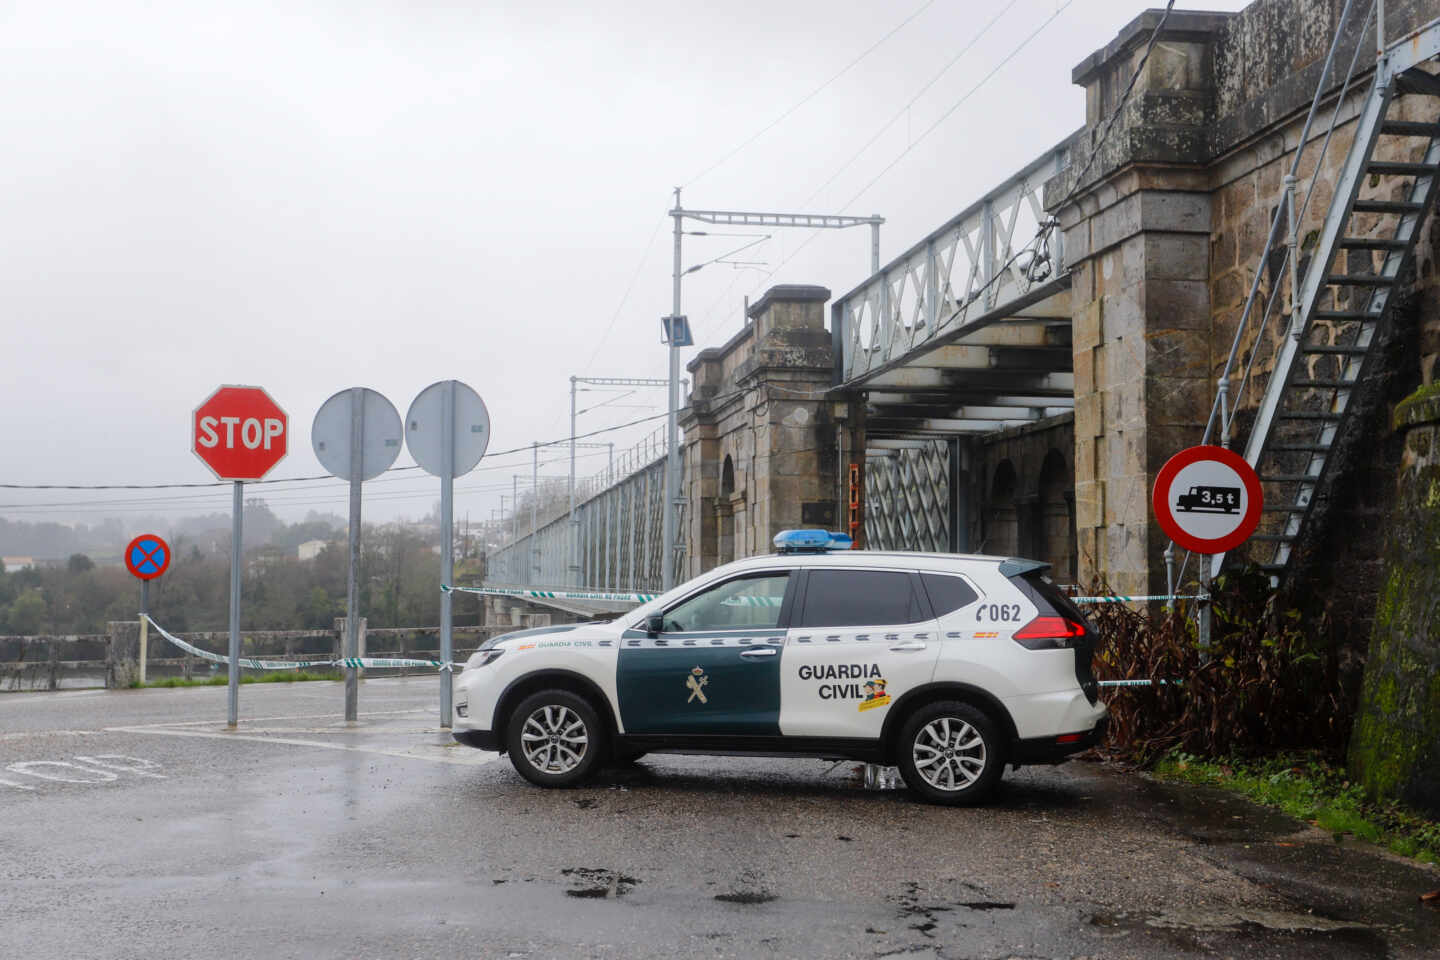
x: 309, y: 196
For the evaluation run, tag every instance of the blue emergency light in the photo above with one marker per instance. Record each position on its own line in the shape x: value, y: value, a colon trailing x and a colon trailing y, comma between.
x: 811, y: 541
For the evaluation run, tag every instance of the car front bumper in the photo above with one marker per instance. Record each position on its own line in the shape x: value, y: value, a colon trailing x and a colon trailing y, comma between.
x: 479, y: 739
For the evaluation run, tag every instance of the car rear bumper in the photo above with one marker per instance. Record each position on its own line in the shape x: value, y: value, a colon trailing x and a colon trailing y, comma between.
x: 1057, y: 749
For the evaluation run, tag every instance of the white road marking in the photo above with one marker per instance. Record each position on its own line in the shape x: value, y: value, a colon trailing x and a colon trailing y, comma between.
x: 135, y: 765
x: 28, y: 767
x: 458, y: 755
x: 17, y: 786
x: 48, y: 733
x: 293, y: 716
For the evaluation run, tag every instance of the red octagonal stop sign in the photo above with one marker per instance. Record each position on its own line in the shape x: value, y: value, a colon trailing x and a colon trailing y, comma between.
x: 240, y: 433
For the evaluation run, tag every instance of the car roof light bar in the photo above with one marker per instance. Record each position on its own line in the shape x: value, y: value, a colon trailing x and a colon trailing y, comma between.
x: 812, y: 541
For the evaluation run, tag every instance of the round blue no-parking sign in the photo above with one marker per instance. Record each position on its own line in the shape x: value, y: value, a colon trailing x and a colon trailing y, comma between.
x: 147, y: 556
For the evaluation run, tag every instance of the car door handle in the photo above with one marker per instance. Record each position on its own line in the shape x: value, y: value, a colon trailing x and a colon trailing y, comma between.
x: 755, y: 653
x: 905, y: 645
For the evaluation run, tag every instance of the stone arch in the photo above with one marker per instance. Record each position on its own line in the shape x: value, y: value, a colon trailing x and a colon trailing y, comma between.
x: 1055, y: 526
x: 1003, y: 529
x: 725, y: 513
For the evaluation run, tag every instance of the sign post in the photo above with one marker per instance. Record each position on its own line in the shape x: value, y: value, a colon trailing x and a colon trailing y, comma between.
x: 240, y: 434
x: 447, y: 429
x: 146, y: 557
x: 1208, y: 500
x: 356, y: 436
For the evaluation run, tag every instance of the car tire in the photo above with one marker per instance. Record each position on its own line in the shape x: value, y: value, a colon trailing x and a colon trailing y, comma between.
x: 555, y: 739
x: 950, y: 753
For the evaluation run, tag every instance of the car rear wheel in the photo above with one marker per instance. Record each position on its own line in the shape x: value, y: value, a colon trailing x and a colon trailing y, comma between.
x: 950, y: 753
x: 555, y: 739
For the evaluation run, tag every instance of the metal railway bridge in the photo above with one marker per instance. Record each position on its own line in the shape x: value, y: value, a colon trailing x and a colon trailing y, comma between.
x: 964, y: 334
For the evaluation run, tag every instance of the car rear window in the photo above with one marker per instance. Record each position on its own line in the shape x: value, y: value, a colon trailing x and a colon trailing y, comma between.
x: 860, y: 598
x: 1048, y: 598
x: 947, y: 594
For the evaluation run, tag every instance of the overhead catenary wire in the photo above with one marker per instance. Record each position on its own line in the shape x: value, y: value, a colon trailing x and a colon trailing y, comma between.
x: 904, y: 110
x: 950, y: 111
x: 629, y: 288
x: 527, y: 448
x: 727, y: 157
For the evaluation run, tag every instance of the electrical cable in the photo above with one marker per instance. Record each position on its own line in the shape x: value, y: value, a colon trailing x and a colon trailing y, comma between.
x: 808, y: 97
x: 910, y: 103
x: 625, y: 297
x: 924, y: 134
x: 313, y: 477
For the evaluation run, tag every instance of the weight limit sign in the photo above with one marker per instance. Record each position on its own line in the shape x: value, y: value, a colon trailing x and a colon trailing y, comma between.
x: 1208, y: 499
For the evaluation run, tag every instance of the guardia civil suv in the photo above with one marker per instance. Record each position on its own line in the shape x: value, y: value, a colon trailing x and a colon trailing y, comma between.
x: 946, y: 666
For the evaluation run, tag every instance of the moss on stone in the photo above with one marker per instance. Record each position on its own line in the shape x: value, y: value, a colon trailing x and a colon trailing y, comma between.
x: 1393, y: 749
x: 1422, y: 406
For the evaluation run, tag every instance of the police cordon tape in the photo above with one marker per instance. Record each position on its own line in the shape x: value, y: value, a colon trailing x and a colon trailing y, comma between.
x: 552, y: 594
x: 1133, y: 683
x: 1141, y: 599
x: 532, y: 593
x: 379, y: 662
x: 246, y: 662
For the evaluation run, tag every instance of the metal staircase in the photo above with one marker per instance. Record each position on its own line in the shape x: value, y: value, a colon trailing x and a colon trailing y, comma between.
x: 1374, y: 220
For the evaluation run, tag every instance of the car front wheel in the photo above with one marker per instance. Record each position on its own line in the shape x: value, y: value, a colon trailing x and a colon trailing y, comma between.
x: 555, y: 739
x: 950, y: 753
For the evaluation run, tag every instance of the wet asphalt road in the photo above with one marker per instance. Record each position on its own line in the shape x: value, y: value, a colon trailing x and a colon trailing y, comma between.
x: 133, y: 825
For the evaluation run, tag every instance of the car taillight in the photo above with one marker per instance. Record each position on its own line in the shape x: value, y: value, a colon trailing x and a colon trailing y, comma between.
x: 1049, y: 633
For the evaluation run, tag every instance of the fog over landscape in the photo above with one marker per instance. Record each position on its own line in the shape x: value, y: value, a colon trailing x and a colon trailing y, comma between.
x: 311, y: 196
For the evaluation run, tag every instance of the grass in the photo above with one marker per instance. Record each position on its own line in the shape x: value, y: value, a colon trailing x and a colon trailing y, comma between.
x: 219, y: 680
x: 1308, y: 788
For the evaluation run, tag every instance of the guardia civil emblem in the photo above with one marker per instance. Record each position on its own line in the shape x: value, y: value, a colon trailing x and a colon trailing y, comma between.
x: 696, y: 683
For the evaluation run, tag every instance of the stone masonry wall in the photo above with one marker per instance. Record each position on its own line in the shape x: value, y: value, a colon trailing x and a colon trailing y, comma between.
x: 1395, y: 748
x: 1163, y: 233
x: 760, y: 441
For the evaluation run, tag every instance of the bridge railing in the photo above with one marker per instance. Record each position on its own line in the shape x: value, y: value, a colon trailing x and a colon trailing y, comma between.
x: 615, y: 542
x: 978, y: 262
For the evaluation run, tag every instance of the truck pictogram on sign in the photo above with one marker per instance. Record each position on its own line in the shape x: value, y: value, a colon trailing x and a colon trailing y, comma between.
x: 1209, y: 500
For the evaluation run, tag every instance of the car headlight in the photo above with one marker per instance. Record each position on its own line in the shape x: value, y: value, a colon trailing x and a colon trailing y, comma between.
x: 483, y: 658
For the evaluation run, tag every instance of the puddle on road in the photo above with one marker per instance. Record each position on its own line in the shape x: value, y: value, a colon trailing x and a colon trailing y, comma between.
x: 595, y: 883
x: 747, y: 897
x: 1209, y: 815
x: 1318, y: 937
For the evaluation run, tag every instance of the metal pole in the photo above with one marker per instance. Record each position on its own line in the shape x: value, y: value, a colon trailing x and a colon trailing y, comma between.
x: 1292, y: 241
x: 574, y: 539
x: 237, y: 515
x: 874, y: 253
x: 447, y: 550
x: 1205, y: 609
x: 1170, y: 574
x: 533, y: 573
x: 612, y: 508
x: 144, y: 627
x: 352, y: 582
x: 672, y: 439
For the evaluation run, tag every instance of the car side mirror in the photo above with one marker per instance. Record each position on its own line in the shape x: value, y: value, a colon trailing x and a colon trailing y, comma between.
x: 655, y: 624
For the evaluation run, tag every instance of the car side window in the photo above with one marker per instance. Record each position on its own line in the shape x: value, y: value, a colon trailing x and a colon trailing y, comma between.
x: 947, y: 594
x: 745, y: 603
x: 860, y: 598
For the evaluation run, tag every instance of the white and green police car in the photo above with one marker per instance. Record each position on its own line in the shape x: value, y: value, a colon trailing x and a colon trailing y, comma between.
x: 947, y: 666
